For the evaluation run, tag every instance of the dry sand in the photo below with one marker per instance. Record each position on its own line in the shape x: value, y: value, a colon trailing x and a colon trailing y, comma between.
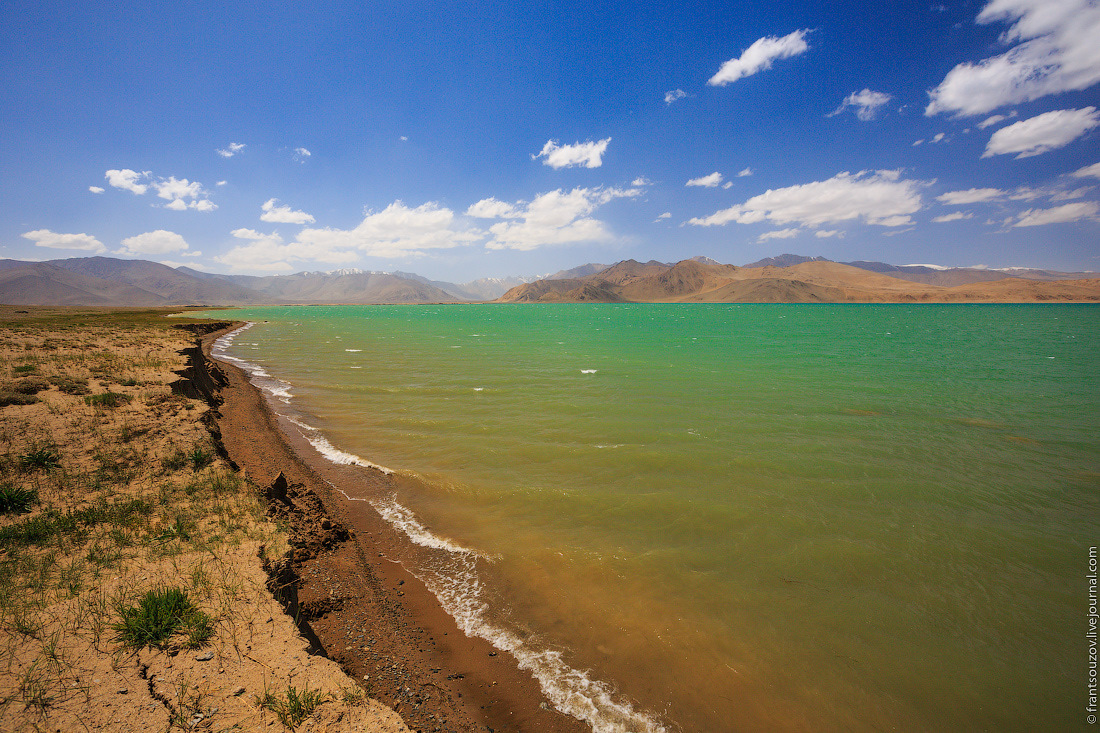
x: 152, y: 506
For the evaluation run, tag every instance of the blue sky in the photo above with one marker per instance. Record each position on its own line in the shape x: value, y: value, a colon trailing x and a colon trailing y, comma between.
x: 458, y: 141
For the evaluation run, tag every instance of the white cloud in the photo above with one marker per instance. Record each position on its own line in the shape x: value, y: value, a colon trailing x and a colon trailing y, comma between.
x: 995, y: 119
x: 96, y: 189
x: 759, y: 57
x: 971, y: 196
x: 176, y: 191
x: 557, y: 217
x: 953, y: 216
x: 641, y: 181
x: 1058, y: 215
x: 1070, y: 195
x: 1042, y: 133
x: 127, y: 179
x: 221, y: 183
x: 230, y: 150
x: 662, y: 217
x: 675, y: 94
x: 588, y: 155
x: 264, y: 252
x: 491, y: 208
x: 824, y: 233
x: 745, y: 172
x: 301, y: 154
x: 283, y: 214
x: 396, y: 231
x: 710, y: 181
x: 939, y: 136
x: 1056, y: 52
x: 53, y: 240
x: 159, y: 242
x: 1089, y: 170
x: 866, y: 104
x: 779, y: 234
x: 879, y: 198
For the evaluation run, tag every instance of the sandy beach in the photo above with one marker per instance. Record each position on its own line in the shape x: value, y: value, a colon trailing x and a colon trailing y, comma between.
x: 380, y: 623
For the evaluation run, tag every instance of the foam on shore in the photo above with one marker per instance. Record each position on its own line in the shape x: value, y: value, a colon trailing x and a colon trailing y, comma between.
x: 453, y: 579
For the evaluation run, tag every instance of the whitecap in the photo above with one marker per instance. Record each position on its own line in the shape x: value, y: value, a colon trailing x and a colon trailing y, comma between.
x: 589, y: 371
x: 353, y: 351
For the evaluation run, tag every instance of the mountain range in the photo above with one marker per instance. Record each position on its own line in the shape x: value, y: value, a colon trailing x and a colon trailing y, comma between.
x: 105, y: 281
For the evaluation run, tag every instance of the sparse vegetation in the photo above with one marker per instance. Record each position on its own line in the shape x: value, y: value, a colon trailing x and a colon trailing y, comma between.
x: 107, y: 399
x: 160, y: 615
x: 292, y: 707
x: 17, y: 499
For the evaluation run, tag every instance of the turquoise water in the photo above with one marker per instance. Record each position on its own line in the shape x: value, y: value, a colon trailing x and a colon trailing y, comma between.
x: 736, y: 517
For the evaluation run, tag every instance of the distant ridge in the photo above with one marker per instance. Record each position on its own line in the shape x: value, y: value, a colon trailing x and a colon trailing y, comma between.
x: 807, y: 280
x: 107, y: 281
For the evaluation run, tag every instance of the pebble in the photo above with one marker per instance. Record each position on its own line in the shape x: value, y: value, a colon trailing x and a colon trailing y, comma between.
x: 204, y: 656
x: 239, y: 691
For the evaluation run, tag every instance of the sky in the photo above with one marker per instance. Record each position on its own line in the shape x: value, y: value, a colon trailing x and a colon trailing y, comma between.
x: 458, y: 141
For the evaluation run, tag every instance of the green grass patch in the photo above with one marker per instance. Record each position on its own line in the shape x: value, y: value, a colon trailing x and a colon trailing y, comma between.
x: 108, y: 399
x: 160, y: 615
x: 52, y: 524
x: 71, y: 385
x: 16, y: 499
x: 44, y: 458
x: 16, y: 398
x: 293, y: 707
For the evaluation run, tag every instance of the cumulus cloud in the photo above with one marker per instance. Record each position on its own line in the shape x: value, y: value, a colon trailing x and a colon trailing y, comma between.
x: 745, y: 172
x: 710, y: 181
x: 953, y: 216
x: 396, y: 231
x: 675, y: 94
x: 1056, y: 51
x: 127, y: 180
x: 1058, y: 214
x: 662, y: 217
x: 865, y: 104
x: 230, y: 150
x: 779, y: 234
x: 557, y: 217
x: 881, y: 198
x: 96, y: 189
x: 283, y: 214
x: 180, y: 193
x: 159, y: 242
x: 53, y: 240
x: 759, y: 57
x: 1042, y: 133
x: 1088, y: 171
x: 491, y: 208
x: 587, y: 155
x: 301, y: 154
x: 971, y: 196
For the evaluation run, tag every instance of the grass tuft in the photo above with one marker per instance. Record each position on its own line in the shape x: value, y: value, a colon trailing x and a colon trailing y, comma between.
x: 161, y: 614
x: 44, y: 458
x: 17, y: 499
x: 293, y: 707
x: 108, y: 399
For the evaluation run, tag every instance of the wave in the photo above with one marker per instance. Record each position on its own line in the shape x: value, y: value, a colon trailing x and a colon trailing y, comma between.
x: 457, y: 585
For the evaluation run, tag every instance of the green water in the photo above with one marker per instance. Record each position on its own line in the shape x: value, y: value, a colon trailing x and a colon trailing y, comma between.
x: 741, y: 517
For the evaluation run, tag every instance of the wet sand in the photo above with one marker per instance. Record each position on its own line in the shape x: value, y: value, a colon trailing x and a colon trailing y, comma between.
x: 382, y: 624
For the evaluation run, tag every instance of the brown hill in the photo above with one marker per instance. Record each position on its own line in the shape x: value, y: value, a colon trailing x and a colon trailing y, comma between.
x: 41, y: 283
x: 812, y: 281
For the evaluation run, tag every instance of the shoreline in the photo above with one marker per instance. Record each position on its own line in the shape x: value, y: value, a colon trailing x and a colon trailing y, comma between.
x: 368, y: 612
